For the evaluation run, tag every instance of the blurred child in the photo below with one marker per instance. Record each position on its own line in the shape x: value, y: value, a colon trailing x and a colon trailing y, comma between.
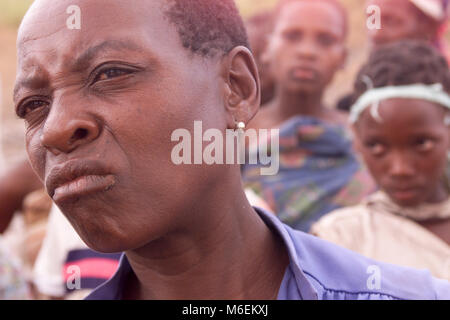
x: 16, y: 183
x: 423, y: 20
x: 318, y: 169
x: 13, y: 285
x: 258, y: 29
x: 63, y: 257
x: 401, y: 121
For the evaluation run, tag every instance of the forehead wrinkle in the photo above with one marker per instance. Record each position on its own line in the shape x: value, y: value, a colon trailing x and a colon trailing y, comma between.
x: 36, y: 79
x: 37, y: 19
x: 91, y: 53
x: 26, y: 39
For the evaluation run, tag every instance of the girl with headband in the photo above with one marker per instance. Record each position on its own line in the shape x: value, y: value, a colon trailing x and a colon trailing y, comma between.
x: 401, y: 125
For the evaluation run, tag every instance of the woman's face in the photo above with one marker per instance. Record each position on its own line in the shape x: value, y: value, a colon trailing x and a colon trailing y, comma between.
x: 103, y: 101
x: 400, y: 20
x: 407, y: 151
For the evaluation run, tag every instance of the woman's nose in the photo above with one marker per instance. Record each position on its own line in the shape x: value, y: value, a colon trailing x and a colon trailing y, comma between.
x: 65, y: 130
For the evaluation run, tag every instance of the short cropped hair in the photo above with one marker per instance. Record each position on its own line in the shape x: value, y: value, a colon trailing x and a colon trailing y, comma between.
x: 208, y: 27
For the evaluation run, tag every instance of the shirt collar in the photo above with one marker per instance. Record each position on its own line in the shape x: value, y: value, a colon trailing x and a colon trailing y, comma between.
x: 306, y: 290
x: 113, y: 288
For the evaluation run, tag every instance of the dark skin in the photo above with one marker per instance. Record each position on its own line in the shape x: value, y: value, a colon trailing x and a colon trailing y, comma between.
x: 305, y: 50
x: 188, y: 231
x: 401, y: 21
x: 257, y: 36
x: 15, y: 184
x: 407, y: 154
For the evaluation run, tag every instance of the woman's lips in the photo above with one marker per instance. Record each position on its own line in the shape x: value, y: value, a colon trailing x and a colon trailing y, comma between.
x: 84, y: 185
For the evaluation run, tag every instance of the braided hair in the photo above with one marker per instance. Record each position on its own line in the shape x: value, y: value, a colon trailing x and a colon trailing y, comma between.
x: 403, y: 63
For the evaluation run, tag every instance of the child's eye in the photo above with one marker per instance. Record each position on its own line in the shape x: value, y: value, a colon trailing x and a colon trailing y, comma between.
x: 376, y: 148
x: 292, y: 35
x: 326, y: 40
x: 425, y: 145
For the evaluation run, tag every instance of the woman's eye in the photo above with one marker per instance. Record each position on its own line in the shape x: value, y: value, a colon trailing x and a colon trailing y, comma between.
x: 110, y: 74
x: 390, y: 20
x: 30, y: 106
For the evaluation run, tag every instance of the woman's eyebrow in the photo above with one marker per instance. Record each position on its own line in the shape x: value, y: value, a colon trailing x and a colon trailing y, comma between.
x: 80, y: 63
x: 91, y: 53
x: 34, y: 82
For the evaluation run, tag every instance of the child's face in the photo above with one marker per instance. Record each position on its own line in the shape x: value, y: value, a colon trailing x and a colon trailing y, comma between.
x: 406, y: 152
x: 307, y: 46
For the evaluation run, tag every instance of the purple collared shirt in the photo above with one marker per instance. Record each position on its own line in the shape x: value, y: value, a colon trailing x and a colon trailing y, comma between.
x: 321, y: 270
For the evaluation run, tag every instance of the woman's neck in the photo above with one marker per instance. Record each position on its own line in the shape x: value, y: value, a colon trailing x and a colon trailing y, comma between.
x: 225, y: 251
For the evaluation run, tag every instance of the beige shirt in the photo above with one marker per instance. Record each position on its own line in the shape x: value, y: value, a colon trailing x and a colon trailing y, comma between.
x: 373, y: 231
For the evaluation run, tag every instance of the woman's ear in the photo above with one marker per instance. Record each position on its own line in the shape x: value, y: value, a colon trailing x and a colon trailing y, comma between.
x: 242, y: 86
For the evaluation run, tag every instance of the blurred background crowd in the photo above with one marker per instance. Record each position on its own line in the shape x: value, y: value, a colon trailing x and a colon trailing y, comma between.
x: 321, y: 170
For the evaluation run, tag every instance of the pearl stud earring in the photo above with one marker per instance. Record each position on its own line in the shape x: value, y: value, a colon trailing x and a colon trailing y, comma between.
x: 240, y: 125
